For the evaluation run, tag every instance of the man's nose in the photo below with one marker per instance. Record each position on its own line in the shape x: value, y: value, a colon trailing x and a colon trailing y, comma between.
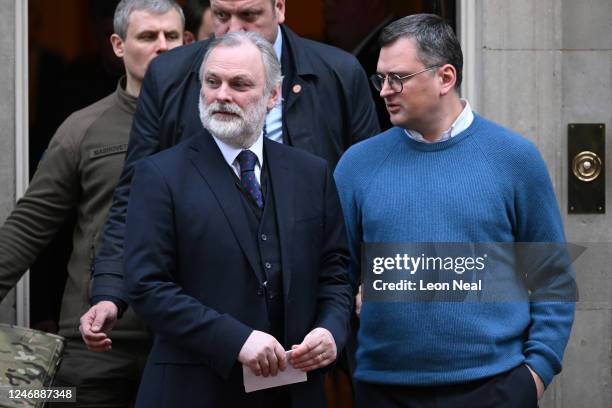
x: 385, y: 89
x: 223, y: 93
x: 162, y: 43
x: 235, y: 24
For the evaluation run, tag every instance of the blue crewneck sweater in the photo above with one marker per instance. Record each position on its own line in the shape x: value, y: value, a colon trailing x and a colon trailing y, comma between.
x: 486, y: 184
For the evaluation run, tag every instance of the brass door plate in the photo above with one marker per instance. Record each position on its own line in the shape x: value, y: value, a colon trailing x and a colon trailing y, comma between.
x: 586, y: 193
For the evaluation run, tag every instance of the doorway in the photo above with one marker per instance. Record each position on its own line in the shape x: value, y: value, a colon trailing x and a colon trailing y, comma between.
x: 71, y: 65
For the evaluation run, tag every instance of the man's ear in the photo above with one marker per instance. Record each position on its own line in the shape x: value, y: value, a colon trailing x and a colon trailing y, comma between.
x: 447, y: 75
x: 279, y: 10
x: 118, y: 45
x: 274, y: 97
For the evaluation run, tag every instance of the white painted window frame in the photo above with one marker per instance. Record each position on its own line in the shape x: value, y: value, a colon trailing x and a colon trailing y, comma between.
x: 22, y: 290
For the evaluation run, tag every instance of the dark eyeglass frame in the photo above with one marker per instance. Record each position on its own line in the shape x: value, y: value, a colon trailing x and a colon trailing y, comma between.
x: 378, y: 80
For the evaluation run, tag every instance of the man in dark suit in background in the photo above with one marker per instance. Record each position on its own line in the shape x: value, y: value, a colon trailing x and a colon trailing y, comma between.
x: 326, y: 106
x: 235, y: 248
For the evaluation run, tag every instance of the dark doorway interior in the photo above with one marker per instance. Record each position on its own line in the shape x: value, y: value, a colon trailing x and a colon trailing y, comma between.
x: 354, y: 25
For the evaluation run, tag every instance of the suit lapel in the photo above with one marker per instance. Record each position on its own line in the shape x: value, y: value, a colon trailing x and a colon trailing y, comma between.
x: 209, y: 162
x: 283, y: 180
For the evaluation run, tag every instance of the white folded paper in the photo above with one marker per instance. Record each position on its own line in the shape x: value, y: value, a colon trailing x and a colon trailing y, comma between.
x: 254, y: 382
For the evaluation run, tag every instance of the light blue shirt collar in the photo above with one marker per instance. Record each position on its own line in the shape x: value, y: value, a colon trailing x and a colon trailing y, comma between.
x: 278, y: 44
x: 463, y: 121
x: 274, y: 118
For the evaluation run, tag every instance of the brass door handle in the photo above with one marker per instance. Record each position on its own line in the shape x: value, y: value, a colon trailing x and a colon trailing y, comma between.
x: 586, y: 166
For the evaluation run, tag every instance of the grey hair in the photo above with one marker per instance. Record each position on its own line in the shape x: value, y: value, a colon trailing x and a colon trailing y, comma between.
x: 125, y: 8
x: 272, y: 67
x: 435, y: 39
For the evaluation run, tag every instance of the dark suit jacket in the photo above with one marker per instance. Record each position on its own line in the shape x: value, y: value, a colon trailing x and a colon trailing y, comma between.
x: 327, y: 107
x: 191, y: 272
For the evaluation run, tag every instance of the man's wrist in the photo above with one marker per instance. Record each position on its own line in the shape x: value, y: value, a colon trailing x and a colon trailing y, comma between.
x: 121, y: 305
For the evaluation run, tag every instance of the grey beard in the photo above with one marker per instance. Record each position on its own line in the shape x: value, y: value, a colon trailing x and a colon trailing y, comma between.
x: 240, y: 132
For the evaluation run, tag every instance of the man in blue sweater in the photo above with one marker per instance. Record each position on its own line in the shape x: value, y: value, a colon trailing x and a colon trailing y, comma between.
x: 445, y: 174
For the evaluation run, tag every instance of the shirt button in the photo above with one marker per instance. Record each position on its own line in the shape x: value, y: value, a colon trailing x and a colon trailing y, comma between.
x: 264, y: 237
x: 268, y: 265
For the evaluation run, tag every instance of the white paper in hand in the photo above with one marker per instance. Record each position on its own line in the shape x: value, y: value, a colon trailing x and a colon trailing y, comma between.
x: 291, y: 375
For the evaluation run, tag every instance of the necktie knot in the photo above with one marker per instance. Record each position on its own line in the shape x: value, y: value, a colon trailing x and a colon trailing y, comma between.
x: 247, y: 160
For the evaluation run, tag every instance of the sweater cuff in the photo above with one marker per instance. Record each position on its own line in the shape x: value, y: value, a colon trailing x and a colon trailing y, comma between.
x: 542, y: 367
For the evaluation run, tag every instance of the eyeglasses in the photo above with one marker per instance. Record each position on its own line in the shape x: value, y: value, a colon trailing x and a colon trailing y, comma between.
x: 396, y: 82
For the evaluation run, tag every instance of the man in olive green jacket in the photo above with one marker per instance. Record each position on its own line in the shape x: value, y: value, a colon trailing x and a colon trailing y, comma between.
x: 80, y: 169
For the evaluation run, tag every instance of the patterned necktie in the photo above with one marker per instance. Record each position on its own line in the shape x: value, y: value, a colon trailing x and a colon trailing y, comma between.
x: 247, y: 160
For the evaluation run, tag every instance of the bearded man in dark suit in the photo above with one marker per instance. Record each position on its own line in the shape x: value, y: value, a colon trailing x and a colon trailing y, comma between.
x: 235, y: 248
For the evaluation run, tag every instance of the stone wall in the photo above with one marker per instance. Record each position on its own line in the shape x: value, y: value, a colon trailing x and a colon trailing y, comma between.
x: 542, y: 65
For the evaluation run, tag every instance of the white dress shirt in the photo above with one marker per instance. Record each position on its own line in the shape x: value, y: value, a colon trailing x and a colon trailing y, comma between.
x: 230, y: 153
x: 463, y: 121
